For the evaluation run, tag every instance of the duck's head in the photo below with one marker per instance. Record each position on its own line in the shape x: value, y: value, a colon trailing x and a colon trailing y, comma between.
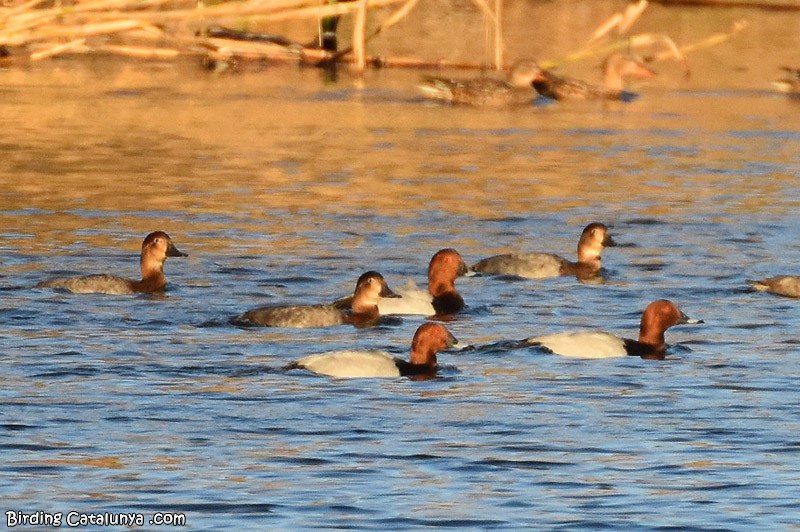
x: 370, y: 287
x: 158, y: 246
x: 429, y: 339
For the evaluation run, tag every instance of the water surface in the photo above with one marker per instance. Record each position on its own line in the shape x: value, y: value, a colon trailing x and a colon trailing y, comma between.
x: 283, y: 188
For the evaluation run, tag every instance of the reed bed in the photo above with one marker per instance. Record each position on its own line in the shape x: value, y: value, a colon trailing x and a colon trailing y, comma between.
x: 35, y: 30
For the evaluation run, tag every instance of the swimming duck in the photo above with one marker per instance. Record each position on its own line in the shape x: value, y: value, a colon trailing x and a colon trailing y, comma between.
x: 616, y: 69
x: 594, y: 238
x: 363, y: 310
x: 789, y: 84
x: 491, y: 92
x: 156, y: 247
x: 429, y: 339
x: 782, y: 285
x: 441, y: 298
x: 659, y: 316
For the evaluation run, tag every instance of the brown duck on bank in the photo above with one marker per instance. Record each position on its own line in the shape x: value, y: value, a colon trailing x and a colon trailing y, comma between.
x: 616, y: 68
x: 156, y: 247
x: 490, y: 92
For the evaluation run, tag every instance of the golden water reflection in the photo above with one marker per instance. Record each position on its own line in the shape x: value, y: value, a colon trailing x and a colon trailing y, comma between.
x: 169, y: 145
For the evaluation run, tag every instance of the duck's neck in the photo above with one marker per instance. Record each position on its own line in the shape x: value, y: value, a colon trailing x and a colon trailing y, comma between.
x: 153, y: 278
x: 424, y: 357
x: 646, y: 350
x: 653, y: 338
x: 365, y: 306
x: 416, y: 372
x: 590, y: 255
x: 438, y: 288
x: 612, y: 80
x: 448, y: 303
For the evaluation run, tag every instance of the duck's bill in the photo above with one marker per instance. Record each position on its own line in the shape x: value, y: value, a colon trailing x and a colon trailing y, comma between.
x: 688, y: 321
x: 387, y: 292
x: 783, y: 85
x: 172, y: 251
x: 640, y: 71
x: 452, y: 341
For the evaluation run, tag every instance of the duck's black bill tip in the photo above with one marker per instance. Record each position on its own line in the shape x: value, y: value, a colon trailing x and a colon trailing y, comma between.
x: 172, y: 251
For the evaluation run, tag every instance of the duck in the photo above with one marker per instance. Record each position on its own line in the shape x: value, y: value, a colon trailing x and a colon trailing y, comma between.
x: 657, y: 317
x: 429, y: 339
x: 616, y: 68
x: 489, y: 92
x: 363, y: 311
x: 441, y: 297
x: 790, y: 83
x: 594, y: 239
x: 782, y: 285
x: 156, y: 247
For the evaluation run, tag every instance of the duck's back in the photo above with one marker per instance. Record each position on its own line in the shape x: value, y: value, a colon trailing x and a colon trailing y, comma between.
x: 782, y: 285
x: 90, y: 284
x: 487, y: 92
x: 412, y: 300
x: 350, y: 364
x: 588, y: 344
x: 558, y: 88
x: 529, y: 265
x: 299, y: 316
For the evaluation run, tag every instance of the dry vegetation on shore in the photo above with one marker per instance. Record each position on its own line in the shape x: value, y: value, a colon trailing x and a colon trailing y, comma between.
x: 165, y: 29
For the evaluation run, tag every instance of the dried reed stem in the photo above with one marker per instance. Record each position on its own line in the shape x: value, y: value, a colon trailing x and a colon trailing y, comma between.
x: 224, y: 49
x: 22, y: 8
x: 140, y: 52
x: 486, y: 10
x: 58, y: 49
x: 115, y: 11
x: 72, y: 32
x: 623, y: 22
x: 396, y: 17
x: 359, y: 30
x: 712, y: 40
x: 137, y: 19
x: 499, y: 52
x: 631, y: 14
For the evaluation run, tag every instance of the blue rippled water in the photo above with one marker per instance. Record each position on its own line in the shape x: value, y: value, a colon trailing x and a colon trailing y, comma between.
x: 115, y: 404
